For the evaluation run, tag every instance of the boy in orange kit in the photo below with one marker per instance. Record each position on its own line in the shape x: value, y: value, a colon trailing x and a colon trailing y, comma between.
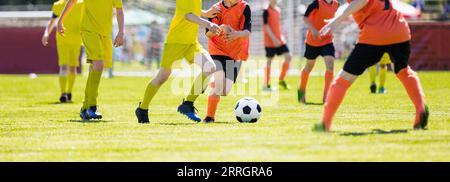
x: 228, y: 49
x: 383, y: 29
x: 316, y: 14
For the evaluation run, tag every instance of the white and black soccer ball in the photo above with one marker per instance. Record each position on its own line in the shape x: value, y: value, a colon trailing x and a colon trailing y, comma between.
x: 247, y: 110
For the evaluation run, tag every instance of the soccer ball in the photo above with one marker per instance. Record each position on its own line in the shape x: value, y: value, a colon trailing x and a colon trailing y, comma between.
x: 247, y: 110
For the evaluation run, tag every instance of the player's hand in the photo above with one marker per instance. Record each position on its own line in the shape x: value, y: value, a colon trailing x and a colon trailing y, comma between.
x: 118, y: 41
x: 277, y: 43
x: 214, y: 28
x: 44, y: 40
x: 212, y: 12
x: 315, y: 34
x: 60, y: 29
x: 330, y: 27
x: 232, y: 35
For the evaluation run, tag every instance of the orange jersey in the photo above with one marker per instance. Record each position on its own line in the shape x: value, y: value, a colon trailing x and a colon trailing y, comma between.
x: 317, y: 13
x: 381, y: 24
x: 272, y: 17
x: 235, y: 18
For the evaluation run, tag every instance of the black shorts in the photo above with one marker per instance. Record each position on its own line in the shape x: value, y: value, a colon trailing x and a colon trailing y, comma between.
x: 312, y: 52
x: 228, y: 65
x: 364, y: 56
x: 271, y: 52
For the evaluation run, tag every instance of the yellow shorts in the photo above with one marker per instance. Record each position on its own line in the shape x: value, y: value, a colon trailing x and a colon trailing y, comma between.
x: 176, y: 52
x: 98, y: 47
x: 385, y: 59
x: 69, y: 48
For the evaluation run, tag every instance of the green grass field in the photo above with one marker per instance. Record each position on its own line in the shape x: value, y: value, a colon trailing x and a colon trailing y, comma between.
x: 34, y: 127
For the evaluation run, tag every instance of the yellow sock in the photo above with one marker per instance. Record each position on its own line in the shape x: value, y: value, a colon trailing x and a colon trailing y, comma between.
x: 70, y: 82
x: 62, y: 83
x: 373, y: 73
x: 86, y: 93
x: 92, y: 87
x: 383, y: 72
x: 150, y: 92
x: 197, y: 88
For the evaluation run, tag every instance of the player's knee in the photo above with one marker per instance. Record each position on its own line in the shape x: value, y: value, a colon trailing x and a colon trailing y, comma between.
x: 382, y: 66
x: 288, y: 57
x: 209, y: 68
x: 63, y: 70
x: 269, y: 62
x: 329, y: 64
x: 98, y: 65
x: 72, y: 69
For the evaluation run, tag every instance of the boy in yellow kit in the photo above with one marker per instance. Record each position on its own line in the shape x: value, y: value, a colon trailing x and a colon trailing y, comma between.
x: 96, y: 28
x: 68, y: 46
x: 181, y: 42
x: 384, y: 62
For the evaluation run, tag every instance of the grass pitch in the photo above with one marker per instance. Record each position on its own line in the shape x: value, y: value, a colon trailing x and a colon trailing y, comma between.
x: 367, y: 127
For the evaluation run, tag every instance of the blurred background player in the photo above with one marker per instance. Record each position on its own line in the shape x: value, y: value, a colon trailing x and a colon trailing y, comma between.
x: 383, y: 29
x: 96, y: 29
x: 155, y: 38
x: 384, y: 62
x: 181, y: 42
x: 68, y: 46
x: 316, y: 45
x: 228, y: 49
x: 275, y: 44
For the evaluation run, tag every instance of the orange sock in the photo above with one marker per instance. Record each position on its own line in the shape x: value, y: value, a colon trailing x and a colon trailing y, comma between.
x: 303, y: 80
x: 328, y: 79
x: 413, y: 87
x: 267, y: 78
x: 335, y: 96
x: 284, y: 70
x: 213, y: 101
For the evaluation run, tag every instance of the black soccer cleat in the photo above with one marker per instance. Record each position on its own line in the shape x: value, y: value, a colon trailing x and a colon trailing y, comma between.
x: 373, y: 88
x: 208, y: 119
x: 187, y: 108
x: 142, y: 115
x: 69, y: 97
x: 63, y: 98
x: 422, y: 125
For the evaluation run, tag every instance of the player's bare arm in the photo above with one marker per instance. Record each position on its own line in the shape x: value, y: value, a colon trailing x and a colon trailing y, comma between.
x: 211, y: 12
x: 315, y: 33
x: 272, y: 36
x: 69, y: 6
x: 48, y: 31
x: 118, y: 41
x: 353, y: 7
x: 233, y: 35
x: 204, y: 23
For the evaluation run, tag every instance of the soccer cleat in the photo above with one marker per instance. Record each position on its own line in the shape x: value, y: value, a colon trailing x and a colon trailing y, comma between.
x: 187, y: 108
x: 69, y: 97
x: 381, y: 90
x: 84, y: 115
x: 267, y: 88
x: 319, y: 127
x: 63, y: 98
x: 373, y: 88
x: 142, y: 115
x: 93, y: 113
x: 284, y: 85
x: 423, y: 122
x: 208, y: 119
x: 301, y: 96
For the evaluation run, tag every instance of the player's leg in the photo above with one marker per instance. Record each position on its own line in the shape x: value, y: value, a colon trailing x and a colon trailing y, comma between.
x: 311, y: 54
x: 410, y: 80
x: 267, y: 74
x: 383, y: 71
x: 301, y: 93
x: 373, y: 77
x: 71, y: 81
x: 172, y: 53
x: 62, y: 77
x: 328, y: 53
x: 329, y: 75
x: 92, y: 86
x: 285, y: 67
x: 362, y: 57
x: 208, y: 67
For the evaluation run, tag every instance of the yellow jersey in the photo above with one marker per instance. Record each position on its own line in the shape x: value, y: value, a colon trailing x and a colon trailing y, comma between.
x: 182, y: 31
x: 98, y: 16
x: 72, y: 22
